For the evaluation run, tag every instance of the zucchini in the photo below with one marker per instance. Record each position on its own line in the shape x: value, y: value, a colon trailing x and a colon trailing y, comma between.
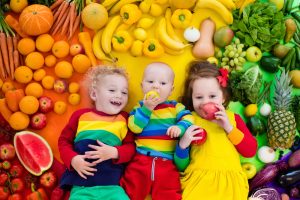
x: 270, y: 63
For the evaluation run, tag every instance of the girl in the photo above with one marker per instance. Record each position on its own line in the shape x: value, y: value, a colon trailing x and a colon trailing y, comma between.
x: 212, y: 171
x: 95, y: 142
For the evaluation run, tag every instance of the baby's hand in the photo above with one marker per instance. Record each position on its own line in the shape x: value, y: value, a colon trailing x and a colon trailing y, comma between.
x: 83, y: 167
x: 173, y: 131
x: 222, y: 119
x: 102, y: 152
x: 151, y: 101
x: 189, y: 136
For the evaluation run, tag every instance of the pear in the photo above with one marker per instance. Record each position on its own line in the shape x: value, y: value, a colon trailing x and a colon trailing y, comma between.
x: 280, y: 50
x: 291, y: 28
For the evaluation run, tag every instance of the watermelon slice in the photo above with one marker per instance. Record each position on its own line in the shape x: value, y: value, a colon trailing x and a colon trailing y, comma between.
x: 33, y: 152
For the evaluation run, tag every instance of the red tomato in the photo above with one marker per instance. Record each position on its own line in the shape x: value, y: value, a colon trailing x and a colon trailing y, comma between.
x: 17, y: 185
x: 15, y: 196
x: 202, y: 134
x: 4, y: 193
x: 16, y: 170
x: 3, y: 178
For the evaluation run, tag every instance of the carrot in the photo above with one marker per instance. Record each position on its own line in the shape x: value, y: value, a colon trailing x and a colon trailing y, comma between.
x: 75, y: 26
x: 21, y: 59
x: 72, y: 15
x: 60, y: 22
x: 62, y: 12
x: 65, y: 25
x: 56, y: 4
x: 13, y: 23
x: 2, y: 70
x: 16, y: 59
x: 10, y: 49
x: 15, y: 42
x: 3, y: 46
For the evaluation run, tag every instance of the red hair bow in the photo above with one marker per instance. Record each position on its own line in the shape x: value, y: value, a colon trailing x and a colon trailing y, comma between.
x: 223, y: 78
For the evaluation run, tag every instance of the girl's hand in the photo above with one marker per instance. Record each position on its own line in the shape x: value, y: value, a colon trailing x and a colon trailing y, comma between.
x: 222, y: 119
x: 173, y: 131
x: 102, y: 152
x: 83, y: 167
x: 151, y: 102
x: 189, y: 136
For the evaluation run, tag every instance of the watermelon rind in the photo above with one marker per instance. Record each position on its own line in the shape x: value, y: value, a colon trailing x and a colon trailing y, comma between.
x: 43, y: 143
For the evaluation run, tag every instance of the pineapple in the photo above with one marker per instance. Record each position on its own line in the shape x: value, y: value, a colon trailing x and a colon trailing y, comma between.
x: 281, y: 123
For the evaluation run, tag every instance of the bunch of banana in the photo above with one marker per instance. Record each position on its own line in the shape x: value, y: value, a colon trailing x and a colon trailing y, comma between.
x: 97, y: 49
x: 109, y: 3
x: 229, y: 4
x: 168, y: 42
x: 108, y: 32
x: 217, y: 7
x: 245, y: 3
x: 170, y: 29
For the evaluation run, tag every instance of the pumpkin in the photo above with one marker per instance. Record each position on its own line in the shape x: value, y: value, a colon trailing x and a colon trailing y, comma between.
x: 36, y: 19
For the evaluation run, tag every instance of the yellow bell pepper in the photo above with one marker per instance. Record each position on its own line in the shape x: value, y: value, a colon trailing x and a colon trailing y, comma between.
x: 122, y: 41
x: 130, y: 13
x: 181, y: 18
x: 152, y: 48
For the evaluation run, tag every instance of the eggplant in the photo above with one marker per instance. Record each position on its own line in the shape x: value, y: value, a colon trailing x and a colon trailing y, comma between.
x: 290, y: 178
x: 267, y: 174
x: 294, y: 159
x: 294, y: 192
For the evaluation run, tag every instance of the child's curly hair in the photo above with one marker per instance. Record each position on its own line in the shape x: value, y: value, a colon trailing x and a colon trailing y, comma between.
x: 201, y: 69
x: 93, y: 74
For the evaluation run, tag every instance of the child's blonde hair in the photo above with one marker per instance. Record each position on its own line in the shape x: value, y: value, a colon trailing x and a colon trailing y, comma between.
x: 95, y: 73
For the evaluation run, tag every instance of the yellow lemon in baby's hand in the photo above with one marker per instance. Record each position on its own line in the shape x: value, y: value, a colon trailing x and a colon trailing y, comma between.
x: 152, y: 94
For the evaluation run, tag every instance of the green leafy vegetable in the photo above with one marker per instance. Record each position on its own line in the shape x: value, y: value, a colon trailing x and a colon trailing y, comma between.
x: 246, y: 86
x: 260, y: 24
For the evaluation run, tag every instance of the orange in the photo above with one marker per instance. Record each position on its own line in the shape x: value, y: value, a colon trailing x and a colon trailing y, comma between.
x: 63, y: 69
x: 73, y: 87
x: 39, y: 74
x: 29, y: 105
x: 23, y: 74
x: 7, y: 85
x: 50, y: 60
x: 94, y: 16
x: 81, y: 63
x: 1, y: 83
x: 60, y: 107
x: 26, y: 46
x: 48, y: 82
x: 34, y: 60
x: 19, y: 121
x: 60, y: 49
x: 18, y: 5
x: 34, y: 89
x: 44, y: 42
x: 74, y: 99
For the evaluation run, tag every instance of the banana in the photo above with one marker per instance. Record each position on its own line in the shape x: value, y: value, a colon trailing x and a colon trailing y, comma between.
x: 117, y: 7
x: 170, y: 29
x: 173, y: 52
x: 145, y: 22
x: 229, y: 4
x: 108, y: 33
x: 239, y: 3
x: 97, y: 47
x: 166, y: 39
x: 217, y: 7
x: 246, y: 3
x: 109, y: 3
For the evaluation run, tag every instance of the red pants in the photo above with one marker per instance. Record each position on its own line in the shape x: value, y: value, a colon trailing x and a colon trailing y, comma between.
x: 146, y: 174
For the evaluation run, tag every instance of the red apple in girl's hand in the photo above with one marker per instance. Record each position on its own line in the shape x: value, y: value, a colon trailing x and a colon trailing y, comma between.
x: 203, y: 135
x: 208, y: 111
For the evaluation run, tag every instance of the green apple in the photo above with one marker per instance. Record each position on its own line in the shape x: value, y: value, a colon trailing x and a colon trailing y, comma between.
x: 253, y: 54
x: 279, y: 3
x: 249, y: 169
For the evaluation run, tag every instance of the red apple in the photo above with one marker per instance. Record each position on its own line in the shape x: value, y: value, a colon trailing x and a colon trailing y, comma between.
x: 76, y: 49
x: 46, y: 104
x: 38, y: 121
x: 60, y: 86
x: 208, y: 111
x: 7, y: 151
x: 6, y: 165
x: 48, y: 179
x: 203, y: 135
x: 17, y: 185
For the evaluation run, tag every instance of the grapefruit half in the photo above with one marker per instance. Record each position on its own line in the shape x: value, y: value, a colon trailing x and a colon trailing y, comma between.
x: 33, y: 152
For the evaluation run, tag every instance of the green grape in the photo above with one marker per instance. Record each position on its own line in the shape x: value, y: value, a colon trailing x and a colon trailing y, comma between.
x: 231, y: 63
x: 239, y: 68
x: 236, y: 61
x: 241, y: 59
x: 225, y: 59
x: 226, y: 67
x: 240, y: 50
x: 243, y: 54
x: 236, y: 55
x: 237, y: 41
x: 223, y: 63
x: 231, y: 54
x: 229, y: 47
x: 219, y: 54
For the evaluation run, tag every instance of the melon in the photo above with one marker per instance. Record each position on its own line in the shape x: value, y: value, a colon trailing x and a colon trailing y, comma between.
x: 33, y: 152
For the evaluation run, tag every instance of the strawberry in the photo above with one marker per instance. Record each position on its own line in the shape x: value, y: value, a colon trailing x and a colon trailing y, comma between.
x: 48, y: 179
x: 17, y: 185
x: 16, y: 170
x: 4, y: 193
x: 3, y: 178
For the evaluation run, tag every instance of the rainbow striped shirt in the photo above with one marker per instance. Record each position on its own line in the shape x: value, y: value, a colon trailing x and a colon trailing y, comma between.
x: 151, y: 127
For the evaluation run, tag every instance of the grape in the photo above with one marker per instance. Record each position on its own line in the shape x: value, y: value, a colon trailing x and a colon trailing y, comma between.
x: 225, y: 59
x: 237, y: 41
x: 229, y: 47
x: 231, y: 54
x: 243, y: 54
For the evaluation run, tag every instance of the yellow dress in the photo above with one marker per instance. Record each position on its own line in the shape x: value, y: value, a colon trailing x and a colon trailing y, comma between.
x: 214, y: 172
